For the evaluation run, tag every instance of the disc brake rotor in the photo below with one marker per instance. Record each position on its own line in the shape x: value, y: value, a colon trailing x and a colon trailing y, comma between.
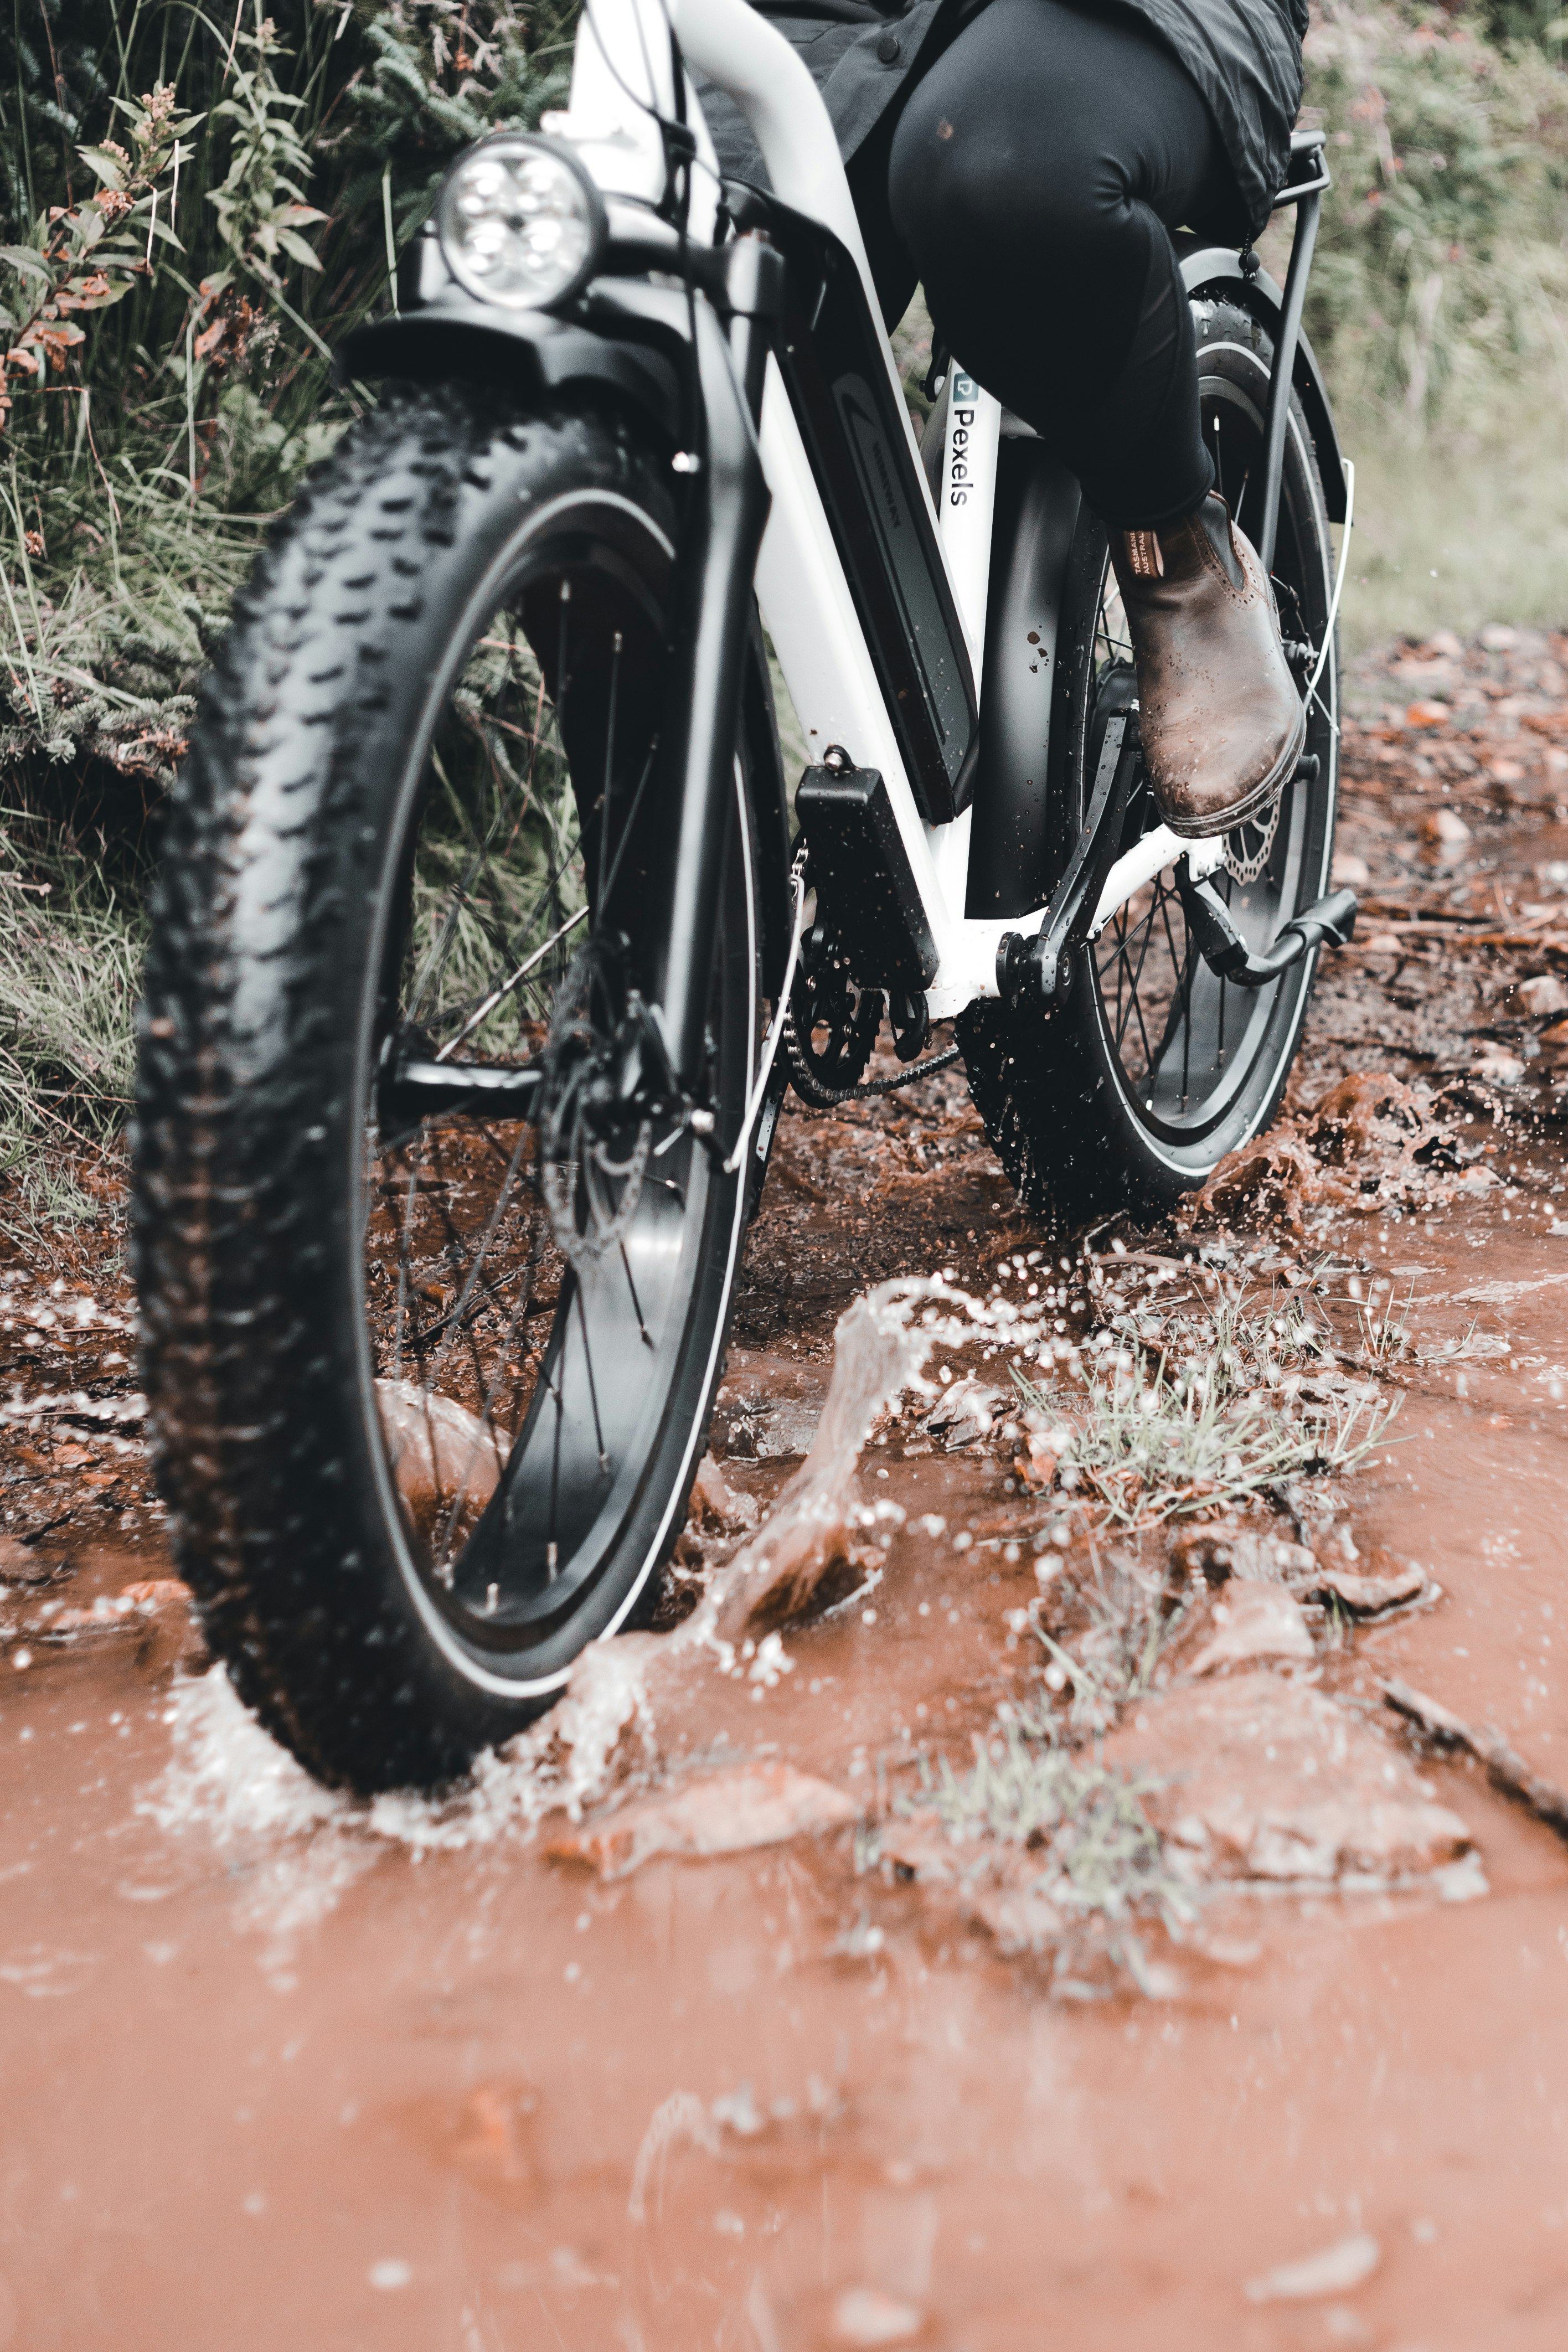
x: 1247, y: 849
x: 593, y: 1146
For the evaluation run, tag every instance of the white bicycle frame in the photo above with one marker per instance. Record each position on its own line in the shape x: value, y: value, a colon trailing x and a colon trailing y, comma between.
x: 622, y: 78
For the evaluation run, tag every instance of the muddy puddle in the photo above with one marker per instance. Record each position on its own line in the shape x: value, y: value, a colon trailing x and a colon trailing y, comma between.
x: 1055, y: 1934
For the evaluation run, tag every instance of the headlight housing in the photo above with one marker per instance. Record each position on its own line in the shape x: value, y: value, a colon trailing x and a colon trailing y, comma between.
x: 521, y: 222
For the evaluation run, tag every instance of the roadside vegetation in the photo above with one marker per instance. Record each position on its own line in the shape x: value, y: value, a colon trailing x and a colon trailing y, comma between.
x: 197, y: 203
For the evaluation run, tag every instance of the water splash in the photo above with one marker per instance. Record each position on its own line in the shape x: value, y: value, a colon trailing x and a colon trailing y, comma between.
x: 879, y: 1350
x: 297, y: 1847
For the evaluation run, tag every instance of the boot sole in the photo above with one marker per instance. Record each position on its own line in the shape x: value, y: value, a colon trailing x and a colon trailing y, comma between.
x: 1273, y: 784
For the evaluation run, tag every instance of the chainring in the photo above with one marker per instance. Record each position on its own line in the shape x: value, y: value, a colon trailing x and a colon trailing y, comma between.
x: 827, y: 1067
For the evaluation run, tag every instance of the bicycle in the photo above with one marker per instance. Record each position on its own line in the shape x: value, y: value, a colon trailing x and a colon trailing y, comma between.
x: 481, y: 955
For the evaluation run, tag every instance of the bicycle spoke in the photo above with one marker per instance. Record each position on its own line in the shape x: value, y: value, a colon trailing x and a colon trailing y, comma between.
x: 644, y: 1334
x: 593, y: 1385
x: 498, y: 995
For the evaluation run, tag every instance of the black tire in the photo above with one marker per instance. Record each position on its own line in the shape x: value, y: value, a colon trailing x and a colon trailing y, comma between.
x: 371, y: 831
x: 1130, y: 1092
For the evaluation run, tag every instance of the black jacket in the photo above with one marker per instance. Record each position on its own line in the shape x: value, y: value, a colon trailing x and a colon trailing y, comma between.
x: 1244, y: 55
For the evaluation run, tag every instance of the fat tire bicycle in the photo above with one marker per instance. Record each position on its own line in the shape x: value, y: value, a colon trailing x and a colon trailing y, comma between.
x: 482, y: 952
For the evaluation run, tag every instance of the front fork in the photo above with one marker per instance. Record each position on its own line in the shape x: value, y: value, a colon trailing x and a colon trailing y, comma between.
x: 727, y: 512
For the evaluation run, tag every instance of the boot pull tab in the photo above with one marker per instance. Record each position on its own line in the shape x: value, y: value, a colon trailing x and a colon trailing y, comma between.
x: 1144, y: 555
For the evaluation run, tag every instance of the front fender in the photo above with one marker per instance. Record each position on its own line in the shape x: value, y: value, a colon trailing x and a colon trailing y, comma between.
x: 531, y: 351
x: 632, y: 346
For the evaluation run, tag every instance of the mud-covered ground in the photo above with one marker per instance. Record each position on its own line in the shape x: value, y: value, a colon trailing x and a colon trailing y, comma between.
x: 1225, y: 2007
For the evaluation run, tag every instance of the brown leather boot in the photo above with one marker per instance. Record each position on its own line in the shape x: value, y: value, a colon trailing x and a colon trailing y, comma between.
x: 1221, y: 722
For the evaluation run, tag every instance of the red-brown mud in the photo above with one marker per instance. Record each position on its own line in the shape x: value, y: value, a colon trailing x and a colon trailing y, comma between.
x: 277, y: 2070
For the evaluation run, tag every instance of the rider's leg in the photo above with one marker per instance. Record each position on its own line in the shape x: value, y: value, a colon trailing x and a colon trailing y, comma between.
x: 1034, y: 176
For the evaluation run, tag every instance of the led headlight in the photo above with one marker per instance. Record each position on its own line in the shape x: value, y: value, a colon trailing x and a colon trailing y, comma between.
x: 520, y: 223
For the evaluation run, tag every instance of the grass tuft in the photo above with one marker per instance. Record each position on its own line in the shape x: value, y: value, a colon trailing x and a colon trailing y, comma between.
x: 1150, y: 1448
x: 1097, y: 1850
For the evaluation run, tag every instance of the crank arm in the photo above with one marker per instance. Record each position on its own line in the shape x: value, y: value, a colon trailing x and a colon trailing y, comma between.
x: 1044, y: 964
x: 1328, y: 922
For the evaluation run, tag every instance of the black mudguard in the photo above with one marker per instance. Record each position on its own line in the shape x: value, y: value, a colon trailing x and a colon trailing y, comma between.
x: 1216, y: 269
x: 633, y: 343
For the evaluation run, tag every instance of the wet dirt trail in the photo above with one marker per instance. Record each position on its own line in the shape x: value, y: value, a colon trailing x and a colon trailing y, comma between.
x: 275, y: 2069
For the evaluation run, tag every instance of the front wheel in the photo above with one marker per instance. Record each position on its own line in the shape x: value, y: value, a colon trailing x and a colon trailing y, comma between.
x: 428, y: 1385
x: 1130, y: 1092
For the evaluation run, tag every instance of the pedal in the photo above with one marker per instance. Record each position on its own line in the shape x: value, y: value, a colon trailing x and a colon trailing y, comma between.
x: 1328, y: 922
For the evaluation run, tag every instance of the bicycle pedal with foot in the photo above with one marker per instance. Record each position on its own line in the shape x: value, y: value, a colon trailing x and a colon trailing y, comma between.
x: 1041, y: 968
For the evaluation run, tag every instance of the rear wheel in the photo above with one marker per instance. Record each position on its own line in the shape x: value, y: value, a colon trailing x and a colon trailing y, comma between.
x: 430, y: 1383
x: 1131, y: 1091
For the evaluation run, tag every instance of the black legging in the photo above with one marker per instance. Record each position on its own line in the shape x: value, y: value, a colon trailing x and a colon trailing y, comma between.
x: 1029, y: 182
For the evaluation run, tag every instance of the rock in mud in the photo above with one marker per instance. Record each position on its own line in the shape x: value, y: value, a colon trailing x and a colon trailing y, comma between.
x: 1220, y: 1549
x: 865, y: 2316
x: 441, y: 1455
x: 1541, y: 993
x: 19, y: 1565
x: 1254, y: 1621
x: 1444, y: 834
x: 1368, y: 1596
x: 1497, y: 1067
x: 966, y: 1412
x: 727, y: 1813
x: 1264, y: 1777
x: 1505, y: 1769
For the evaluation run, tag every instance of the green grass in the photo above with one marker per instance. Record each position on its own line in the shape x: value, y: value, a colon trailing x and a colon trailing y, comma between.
x: 1069, y: 1835
x: 1097, y: 1850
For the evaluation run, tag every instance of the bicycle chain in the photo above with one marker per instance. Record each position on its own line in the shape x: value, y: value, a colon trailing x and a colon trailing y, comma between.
x: 811, y: 1090
x: 810, y: 1087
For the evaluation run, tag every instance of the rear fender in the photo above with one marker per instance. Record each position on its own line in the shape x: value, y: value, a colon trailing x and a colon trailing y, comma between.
x: 1216, y: 269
